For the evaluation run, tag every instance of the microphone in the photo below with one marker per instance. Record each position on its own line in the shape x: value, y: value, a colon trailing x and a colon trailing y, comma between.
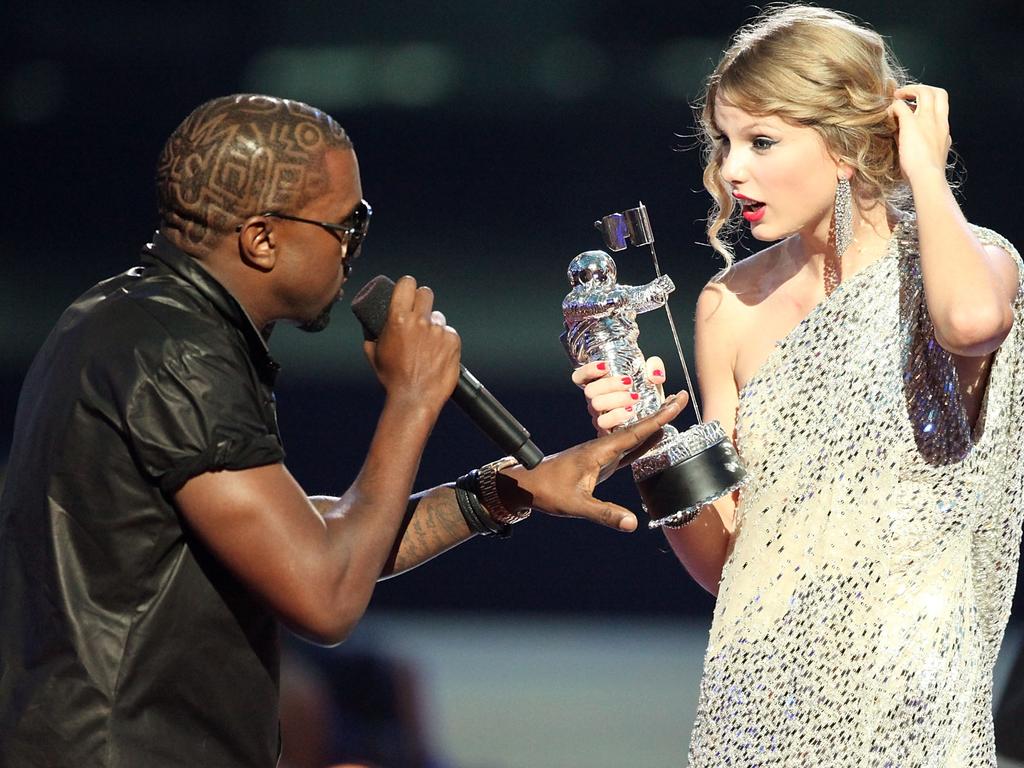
x: 370, y: 307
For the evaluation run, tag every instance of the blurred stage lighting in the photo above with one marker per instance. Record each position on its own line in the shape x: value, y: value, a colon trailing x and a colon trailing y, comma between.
x: 338, y: 77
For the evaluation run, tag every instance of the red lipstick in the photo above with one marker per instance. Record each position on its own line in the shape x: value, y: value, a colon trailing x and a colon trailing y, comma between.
x: 753, y: 210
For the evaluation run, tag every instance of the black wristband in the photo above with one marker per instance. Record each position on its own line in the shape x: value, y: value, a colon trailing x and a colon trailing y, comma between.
x: 466, y: 489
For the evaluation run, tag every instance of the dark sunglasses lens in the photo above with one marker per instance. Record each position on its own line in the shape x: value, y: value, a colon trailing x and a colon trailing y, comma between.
x: 359, y: 221
x: 362, y: 217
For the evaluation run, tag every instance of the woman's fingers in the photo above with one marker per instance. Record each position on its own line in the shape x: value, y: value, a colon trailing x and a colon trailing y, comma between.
x: 901, y: 110
x: 612, y: 400
x: 654, y: 371
x: 924, y: 100
x: 609, y: 420
x: 606, y: 386
x: 922, y: 114
x: 589, y: 372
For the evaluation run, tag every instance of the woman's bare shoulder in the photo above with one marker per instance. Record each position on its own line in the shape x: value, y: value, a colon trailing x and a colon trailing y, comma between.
x: 730, y: 294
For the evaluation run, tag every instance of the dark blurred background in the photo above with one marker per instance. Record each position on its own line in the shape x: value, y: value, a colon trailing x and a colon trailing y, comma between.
x: 490, y: 135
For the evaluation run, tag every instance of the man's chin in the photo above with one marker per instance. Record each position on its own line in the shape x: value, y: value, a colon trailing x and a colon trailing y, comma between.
x: 318, y: 323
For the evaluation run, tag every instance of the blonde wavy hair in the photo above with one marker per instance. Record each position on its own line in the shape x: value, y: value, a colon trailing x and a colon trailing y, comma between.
x: 813, y: 67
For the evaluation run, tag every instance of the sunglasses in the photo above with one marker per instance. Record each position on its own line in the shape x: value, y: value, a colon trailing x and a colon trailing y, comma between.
x: 354, y: 227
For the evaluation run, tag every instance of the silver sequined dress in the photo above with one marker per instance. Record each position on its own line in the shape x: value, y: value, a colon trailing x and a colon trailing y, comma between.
x: 865, y: 598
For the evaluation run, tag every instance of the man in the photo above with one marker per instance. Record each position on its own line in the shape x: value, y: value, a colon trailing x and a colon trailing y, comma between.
x: 150, y: 535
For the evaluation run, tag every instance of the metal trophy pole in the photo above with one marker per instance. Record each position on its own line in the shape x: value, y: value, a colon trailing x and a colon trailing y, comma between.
x: 685, y: 470
x: 635, y: 225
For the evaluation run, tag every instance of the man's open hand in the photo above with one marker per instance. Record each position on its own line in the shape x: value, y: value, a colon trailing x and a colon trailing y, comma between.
x: 563, y: 484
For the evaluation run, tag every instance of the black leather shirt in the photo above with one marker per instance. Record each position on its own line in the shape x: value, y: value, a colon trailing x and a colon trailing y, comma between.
x: 123, y: 641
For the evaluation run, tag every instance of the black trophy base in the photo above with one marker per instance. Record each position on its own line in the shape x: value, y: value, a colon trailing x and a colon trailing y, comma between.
x: 676, y: 495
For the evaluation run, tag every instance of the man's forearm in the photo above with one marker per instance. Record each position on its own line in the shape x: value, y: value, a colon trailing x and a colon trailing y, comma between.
x: 432, y: 525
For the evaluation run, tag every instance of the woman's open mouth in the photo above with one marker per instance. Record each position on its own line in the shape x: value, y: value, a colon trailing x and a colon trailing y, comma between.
x: 753, y: 210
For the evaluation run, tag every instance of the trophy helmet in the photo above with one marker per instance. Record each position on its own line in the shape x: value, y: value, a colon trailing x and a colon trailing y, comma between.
x: 593, y: 268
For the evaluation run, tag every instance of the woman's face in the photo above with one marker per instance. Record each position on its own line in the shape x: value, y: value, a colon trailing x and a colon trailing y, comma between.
x: 780, y: 173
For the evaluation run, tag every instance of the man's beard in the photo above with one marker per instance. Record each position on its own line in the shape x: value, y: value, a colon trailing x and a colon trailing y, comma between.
x: 319, y: 322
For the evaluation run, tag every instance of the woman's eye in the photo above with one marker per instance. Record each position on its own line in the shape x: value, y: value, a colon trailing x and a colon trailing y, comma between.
x: 762, y: 144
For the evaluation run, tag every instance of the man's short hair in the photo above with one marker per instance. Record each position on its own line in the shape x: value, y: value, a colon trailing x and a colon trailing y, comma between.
x: 237, y: 156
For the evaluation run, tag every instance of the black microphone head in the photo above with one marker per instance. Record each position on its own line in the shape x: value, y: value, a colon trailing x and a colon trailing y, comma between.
x: 370, y: 305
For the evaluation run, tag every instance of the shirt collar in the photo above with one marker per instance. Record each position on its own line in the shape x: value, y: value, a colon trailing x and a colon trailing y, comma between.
x: 186, y: 267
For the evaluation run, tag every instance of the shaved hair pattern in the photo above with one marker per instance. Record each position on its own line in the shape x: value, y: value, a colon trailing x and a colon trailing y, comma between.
x: 236, y: 156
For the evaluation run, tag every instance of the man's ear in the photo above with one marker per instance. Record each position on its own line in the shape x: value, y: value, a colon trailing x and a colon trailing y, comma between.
x: 257, y: 243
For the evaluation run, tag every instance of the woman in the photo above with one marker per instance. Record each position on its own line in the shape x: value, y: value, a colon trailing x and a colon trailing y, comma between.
x: 869, y: 367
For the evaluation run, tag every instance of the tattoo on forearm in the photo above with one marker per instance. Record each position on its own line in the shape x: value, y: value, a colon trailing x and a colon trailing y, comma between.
x: 433, y: 524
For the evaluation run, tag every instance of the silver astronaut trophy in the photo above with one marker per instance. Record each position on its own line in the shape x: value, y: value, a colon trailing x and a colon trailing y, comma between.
x: 684, y: 470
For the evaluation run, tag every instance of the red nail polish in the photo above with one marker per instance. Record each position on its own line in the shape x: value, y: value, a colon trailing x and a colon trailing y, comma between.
x: 602, y: 366
x: 627, y: 380
x: 635, y: 396
x: 657, y: 373
x: 629, y: 408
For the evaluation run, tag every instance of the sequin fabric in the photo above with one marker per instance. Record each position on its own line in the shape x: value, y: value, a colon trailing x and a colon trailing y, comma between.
x: 865, y: 598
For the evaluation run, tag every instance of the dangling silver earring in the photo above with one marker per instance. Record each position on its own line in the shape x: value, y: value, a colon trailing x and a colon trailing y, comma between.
x: 842, y: 217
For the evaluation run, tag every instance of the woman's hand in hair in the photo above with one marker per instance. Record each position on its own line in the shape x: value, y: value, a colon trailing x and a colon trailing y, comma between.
x: 922, y: 114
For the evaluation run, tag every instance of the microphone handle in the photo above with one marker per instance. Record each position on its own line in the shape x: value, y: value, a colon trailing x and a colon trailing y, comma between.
x: 492, y: 417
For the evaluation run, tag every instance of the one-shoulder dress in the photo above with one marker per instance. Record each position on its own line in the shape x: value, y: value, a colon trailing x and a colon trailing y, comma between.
x: 871, y: 574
